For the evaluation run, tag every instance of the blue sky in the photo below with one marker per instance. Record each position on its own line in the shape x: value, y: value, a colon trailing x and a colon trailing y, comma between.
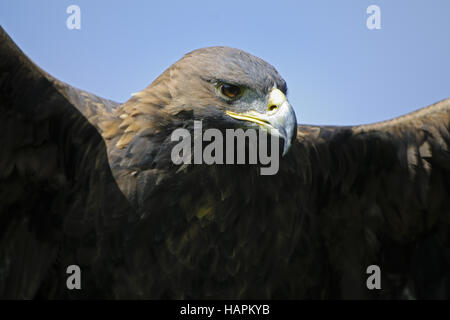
x: 338, y: 71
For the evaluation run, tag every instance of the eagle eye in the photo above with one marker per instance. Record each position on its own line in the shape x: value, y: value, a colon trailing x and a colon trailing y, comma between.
x: 230, y: 91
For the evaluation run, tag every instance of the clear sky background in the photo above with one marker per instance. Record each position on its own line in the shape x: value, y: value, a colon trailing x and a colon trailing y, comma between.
x: 338, y: 71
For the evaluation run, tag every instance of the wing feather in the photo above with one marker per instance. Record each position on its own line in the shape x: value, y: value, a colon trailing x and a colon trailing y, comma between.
x: 384, y: 190
x: 56, y: 187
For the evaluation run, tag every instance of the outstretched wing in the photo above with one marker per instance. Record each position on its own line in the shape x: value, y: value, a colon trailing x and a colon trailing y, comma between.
x: 56, y: 187
x: 382, y: 195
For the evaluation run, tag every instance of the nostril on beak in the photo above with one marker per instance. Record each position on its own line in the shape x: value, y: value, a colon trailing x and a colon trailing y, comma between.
x: 272, y: 107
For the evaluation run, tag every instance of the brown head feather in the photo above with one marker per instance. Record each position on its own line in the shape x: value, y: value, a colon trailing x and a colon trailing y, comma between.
x: 189, y: 85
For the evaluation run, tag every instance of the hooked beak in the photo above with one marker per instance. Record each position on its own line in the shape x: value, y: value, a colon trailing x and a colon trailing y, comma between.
x: 279, y: 119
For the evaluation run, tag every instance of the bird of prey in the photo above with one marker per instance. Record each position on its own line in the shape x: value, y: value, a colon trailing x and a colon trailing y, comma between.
x: 88, y: 182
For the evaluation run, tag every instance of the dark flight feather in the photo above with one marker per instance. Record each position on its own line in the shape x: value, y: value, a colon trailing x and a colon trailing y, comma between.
x: 87, y: 181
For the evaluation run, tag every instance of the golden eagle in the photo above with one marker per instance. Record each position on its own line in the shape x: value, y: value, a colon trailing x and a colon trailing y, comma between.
x: 89, y: 182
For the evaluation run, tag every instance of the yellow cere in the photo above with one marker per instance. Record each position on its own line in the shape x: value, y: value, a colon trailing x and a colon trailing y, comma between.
x: 276, y: 97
